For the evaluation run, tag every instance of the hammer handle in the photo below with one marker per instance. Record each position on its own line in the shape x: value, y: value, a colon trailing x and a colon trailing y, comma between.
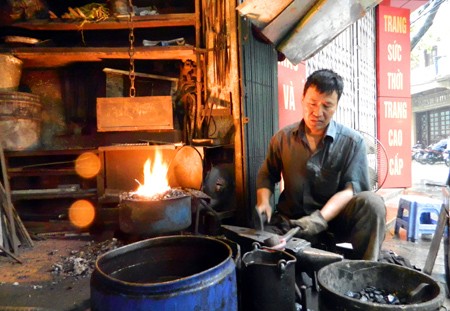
x: 290, y: 233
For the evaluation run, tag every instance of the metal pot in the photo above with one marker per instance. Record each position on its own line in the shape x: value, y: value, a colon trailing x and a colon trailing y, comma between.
x: 20, y: 120
x: 268, y: 280
x: 148, y: 217
x: 11, y: 73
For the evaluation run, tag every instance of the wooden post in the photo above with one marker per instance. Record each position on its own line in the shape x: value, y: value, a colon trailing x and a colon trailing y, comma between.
x: 8, y: 204
x: 439, y: 232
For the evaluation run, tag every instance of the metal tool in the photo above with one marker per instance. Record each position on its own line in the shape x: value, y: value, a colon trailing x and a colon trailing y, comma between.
x: 276, y: 240
x: 258, y: 219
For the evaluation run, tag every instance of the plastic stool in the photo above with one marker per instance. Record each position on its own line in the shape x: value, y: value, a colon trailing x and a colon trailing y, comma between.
x: 418, y: 219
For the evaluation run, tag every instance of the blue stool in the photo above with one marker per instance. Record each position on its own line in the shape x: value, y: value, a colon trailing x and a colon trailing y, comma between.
x: 418, y: 218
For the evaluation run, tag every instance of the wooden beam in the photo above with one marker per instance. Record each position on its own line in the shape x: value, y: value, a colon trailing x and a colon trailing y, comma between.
x: 8, y: 203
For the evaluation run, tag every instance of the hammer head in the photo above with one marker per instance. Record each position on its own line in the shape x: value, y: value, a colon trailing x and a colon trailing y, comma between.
x: 272, y: 241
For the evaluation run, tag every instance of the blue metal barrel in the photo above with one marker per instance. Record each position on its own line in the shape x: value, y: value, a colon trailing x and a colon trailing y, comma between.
x: 166, y: 273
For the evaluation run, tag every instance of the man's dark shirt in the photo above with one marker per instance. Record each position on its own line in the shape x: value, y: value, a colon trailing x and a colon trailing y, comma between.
x: 311, y: 179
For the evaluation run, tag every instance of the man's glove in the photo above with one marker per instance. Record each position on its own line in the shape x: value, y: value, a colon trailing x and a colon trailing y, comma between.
x: 310, y: 226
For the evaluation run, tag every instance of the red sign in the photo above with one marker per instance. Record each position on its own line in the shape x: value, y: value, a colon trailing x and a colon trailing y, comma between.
x: 291, y: 79
x: 394, y: 93
x: 395, y: 135
x: 393, y: 52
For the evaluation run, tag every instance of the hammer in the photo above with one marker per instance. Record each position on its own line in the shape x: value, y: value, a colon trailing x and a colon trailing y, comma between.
x: 277, y: 241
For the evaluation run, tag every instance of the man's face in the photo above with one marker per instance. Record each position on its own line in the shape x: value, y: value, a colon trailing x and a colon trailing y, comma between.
x: 318, y: 109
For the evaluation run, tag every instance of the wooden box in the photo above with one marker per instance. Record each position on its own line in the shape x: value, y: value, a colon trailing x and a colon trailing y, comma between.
x: 134, y: 113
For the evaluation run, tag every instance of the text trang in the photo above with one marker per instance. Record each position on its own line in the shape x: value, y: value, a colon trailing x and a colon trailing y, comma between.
x: 395, y: 109
x: 395, y: 24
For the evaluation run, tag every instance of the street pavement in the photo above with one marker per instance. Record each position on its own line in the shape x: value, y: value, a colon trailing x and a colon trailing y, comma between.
x: 421, y: 174
x: 426, y: 180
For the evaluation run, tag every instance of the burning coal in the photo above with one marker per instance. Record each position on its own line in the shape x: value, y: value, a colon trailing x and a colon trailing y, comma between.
x: 171, y: 193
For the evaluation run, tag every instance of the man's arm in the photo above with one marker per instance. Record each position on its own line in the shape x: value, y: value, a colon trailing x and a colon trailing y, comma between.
x: 317, y: 222
x: 337, y: 203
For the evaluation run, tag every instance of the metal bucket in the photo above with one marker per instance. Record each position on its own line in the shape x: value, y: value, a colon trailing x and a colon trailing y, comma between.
x: 155, y: 217
x: 20, y: 120
x: 268, y: 280
x: 166, y: 273
x: 11, y: 73
x: 338, y: 278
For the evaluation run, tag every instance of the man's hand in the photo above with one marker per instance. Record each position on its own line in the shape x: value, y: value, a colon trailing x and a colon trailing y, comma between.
x: 310, y: 226
x: 265, y: 209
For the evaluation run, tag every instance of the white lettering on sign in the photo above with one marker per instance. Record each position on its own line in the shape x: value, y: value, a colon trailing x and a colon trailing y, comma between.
x: 394, y: 52
x: 287, y: 64
x: 395, y: 166
x: 289, y: 99
x: 395, y: 137
x: 395, y: 80
x: 395, y: 110
x: 395, y: 24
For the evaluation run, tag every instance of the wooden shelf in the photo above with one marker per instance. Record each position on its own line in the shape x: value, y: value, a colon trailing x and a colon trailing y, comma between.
x: 41, y: 194
x: 153, y: 21
x: 47, y: 152
x: 14, y: 172
x: 43, y: 57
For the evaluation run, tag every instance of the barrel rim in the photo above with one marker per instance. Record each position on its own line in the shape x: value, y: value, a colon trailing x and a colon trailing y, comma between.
x: 12, y: 57
x: 162, y: 286
x: 12, y: 118
x: 292, y: 259
x: 436, y: 301
x: 18, y: 93
x: 142, y: 198
x: 20, y: 101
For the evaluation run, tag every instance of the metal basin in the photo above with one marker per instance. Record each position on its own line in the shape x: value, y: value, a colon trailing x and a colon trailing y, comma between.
x: 154, y: 217
x: 338, y: 278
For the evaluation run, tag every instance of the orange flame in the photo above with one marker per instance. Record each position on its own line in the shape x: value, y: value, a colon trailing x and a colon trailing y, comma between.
x: 155, y: 177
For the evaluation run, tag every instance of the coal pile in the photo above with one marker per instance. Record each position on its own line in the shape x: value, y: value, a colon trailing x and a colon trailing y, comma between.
x: 81, y: 263
x: 374, y: 295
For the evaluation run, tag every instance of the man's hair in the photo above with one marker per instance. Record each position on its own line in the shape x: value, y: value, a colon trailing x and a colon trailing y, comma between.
x: 325, y: 81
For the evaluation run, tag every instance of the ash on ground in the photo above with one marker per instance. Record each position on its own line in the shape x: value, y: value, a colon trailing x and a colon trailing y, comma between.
x: 82, y: 262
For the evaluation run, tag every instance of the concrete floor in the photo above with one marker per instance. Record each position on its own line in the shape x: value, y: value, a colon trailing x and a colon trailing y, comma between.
x: 424, y: 179
x: 32, y: 286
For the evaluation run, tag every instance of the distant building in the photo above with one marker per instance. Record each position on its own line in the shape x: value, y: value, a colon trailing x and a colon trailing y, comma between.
x: 430, y: 79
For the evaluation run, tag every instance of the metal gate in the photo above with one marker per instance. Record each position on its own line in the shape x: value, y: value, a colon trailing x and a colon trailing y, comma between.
x: 432, y: 115
x: 353, y: 56
x: 433, y: 126
x: 260, y: 80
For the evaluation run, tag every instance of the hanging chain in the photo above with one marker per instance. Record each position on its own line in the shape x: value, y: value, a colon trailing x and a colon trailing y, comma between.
x: 131, y: 51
